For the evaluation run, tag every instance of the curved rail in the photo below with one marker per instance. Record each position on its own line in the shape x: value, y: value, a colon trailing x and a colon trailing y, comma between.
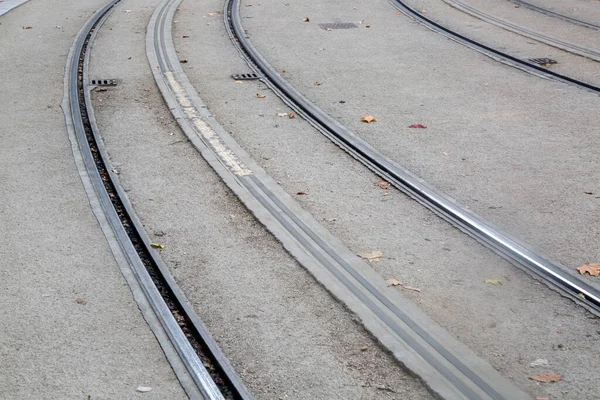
x: 195, y: 347
x: 406, y: 181
x: 447, y: 367
x: 555, y: 14
x: 509, y: 26
x: 489, y: 51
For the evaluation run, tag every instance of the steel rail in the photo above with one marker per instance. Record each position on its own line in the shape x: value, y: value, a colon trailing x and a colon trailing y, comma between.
x: 489, y: 51
x: 403, y: 179
x: 520, y: 30
x: 446, y: 366
x: 132, y: 239
x: 555, y: 14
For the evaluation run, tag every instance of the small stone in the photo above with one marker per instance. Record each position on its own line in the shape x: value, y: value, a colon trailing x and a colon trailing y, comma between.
x: 540, y: 362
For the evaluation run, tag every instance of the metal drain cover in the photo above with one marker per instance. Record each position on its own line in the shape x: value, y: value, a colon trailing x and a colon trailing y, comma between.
x: 338, y: 25
x: 542, y: 61
x: 104, y: 82
x: 245, y: 77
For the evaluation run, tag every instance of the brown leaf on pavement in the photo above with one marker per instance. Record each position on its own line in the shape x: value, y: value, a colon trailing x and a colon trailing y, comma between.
x: 81, y: 301
x: 183, y: 61
x: 371, y: 257
x: 418, y: 126
x: 368, y: 119
x: 396, y: 282
x: 28, y: 27
x: 157, y: 246
x: 292, y: 116
x: 302, y: 192
x: 382, y: 184
x: 592, y: 269
x: 546, y: 377
x: 260, y: 96
x: 306, y: 19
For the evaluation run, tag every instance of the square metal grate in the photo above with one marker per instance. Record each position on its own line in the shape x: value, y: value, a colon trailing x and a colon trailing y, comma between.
x: 104, y: 82
x: 542, y: 61
x: 245, y: 77
x: 338, y: 25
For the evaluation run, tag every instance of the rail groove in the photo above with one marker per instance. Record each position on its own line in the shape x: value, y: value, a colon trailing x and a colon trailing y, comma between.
x: 506, y: 246
x: 450, y: 369
x: 185, y: 340
x: 520, y: 30
x: 555, y: 14
x: 497, y: 55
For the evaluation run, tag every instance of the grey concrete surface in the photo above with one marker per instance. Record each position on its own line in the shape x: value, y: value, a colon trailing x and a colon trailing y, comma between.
x: 7, y: 5
x: 283, y: 333
x: 510, y: 325
x: 70, y: 328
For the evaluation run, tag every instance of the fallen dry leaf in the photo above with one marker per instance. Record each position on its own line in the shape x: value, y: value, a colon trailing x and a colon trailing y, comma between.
x: 361, y: 21
x: 185, y: 36
x: 238, y: 82
x: 496, y: 282
x: 292, y: 115
x: 58, y: 27
x: 317, y: 83
x: 371, y: 257
x: 287, y: 4
x: 546, y: 377
x: 329, y: 29
x: 28, y: 27
x: 157, y: 246
x: 396, y: 282
x: 382, y: 184
x: 212, y: 14
x: 127, y: 11
x: 183, y: 61
x: 306, y: 19
x: 302, y: 192
x: 592, y: 269
x: 81, y: 301
x: 418, y: 126
x: 282, y: 114
x: 260, y: 96
x: 367, y: 26
x: 368, y: 119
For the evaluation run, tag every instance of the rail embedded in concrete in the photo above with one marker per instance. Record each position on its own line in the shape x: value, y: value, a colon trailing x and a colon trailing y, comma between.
x: 555, y: 14
x: 505, y: 245
x: 162, y: 299
x: 498, y: 55
x: 520, y: 30
x: 447, y: 367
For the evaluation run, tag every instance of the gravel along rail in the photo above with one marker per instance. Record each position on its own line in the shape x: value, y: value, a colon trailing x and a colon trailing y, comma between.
x: 559, y: 44
x: 508, y: 247
x: 555, y: 14
x: 505, y: 58
x: 447, y: 367
x: 187, y: 344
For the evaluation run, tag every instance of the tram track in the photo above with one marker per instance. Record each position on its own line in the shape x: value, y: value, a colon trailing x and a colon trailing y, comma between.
x: 520, y: 30
x: 198, y: 362
x: 447, y: 367
x: 508, y: 247
x: 488, y: 51
x: 555, y: 14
